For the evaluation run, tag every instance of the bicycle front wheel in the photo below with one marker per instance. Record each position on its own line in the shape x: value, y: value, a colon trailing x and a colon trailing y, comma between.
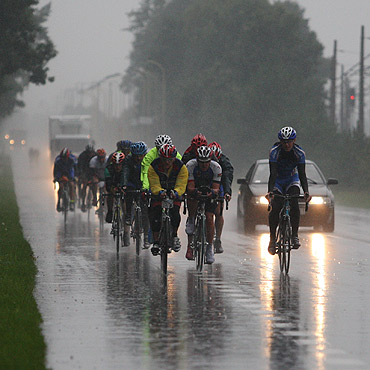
x: 284, y: 246
x: 200, y: 243
x: 137, y: 230
x: 117, y: 231
x: 65, y: 200
x: 164, y: 243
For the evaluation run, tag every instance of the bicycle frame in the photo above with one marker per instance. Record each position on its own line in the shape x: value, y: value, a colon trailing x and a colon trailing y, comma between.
x: 284, y: 232
x: 200, y: 234
x: 117, y: 222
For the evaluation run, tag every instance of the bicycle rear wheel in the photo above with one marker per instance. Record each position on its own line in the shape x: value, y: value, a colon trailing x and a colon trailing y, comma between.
x: 200, y: 243
x: 137, y: 229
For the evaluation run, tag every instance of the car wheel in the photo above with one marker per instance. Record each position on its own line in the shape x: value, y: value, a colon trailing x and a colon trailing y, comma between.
x: 329, y: 227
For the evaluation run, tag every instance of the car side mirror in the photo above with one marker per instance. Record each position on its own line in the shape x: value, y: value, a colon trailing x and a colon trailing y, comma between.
x: 332, y: 182
x: 242, y: 181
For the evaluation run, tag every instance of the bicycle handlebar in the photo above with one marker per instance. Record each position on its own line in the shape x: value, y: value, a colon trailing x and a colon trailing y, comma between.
x: 288, y: 197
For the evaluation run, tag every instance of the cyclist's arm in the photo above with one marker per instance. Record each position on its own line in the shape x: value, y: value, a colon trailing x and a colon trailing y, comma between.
x: 182, y: 180
x: 273, y: 176
x: 154, y: 182
x: 146, y: 162
x: 178, y: 156
x: 227, y: 173
x: 303, y: 177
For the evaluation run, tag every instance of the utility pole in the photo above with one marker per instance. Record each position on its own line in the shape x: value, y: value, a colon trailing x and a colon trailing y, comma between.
x: 342, y: 123
x: 360, y: 127
x: 333, y: 87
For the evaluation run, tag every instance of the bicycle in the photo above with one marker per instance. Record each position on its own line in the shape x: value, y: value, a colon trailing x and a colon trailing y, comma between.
x: 165, y: 233
x: 117, y: 221
x: 200, y: 230
x: 284, y: 232
x: 137, y: 230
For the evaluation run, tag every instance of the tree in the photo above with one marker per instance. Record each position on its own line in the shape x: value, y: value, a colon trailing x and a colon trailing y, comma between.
x: 25, y: 50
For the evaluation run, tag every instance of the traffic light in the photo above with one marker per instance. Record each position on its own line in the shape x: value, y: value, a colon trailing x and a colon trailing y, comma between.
x: 351, y: 97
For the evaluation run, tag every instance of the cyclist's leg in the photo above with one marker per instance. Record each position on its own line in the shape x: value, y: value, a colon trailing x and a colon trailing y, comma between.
x: 72, y: 194
x: 94, y: 190
x: 294, y: 215
x: 60, y: 192
x: 210, y: 228
x: 109, y: 216
x: 219, y: 225
x: 155, y: 224
x: 175, y: 223
x: 189, y: 229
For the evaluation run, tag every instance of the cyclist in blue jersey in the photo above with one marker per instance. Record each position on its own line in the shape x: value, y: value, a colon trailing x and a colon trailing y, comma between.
x: 132, y: 181
x: 203, y: 172
x: 287, y: 162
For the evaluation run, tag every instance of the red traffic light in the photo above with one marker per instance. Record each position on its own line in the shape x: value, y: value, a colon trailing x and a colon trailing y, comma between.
x: 352, y: 97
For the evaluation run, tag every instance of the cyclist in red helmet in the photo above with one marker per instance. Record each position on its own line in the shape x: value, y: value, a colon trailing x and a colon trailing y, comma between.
x: 114, y: 178
x: 167, y: 175
x: 191, y: 153
x: 203, y: 172
x: 226, y: 181
x: 97, y: 166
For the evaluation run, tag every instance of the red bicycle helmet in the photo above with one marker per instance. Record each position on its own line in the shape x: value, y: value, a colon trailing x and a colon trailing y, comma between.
x: 65, y: 153
x: 117, y: 158
x: 101, y: 153
x: 167, y: 151
x: 216, y: 148
x: 199, y: 140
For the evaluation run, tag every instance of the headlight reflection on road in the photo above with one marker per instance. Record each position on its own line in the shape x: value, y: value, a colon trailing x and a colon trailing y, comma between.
x: 318, y: 251
x: 266, y: 286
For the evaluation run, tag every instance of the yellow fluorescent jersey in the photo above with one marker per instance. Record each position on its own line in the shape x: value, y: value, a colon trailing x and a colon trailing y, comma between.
x: 175, y: 178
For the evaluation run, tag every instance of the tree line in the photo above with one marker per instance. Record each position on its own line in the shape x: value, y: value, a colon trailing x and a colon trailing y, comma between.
x: 238, y: 71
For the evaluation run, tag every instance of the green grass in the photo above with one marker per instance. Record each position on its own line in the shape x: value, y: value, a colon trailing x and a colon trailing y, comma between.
x: 22, y: 345
x: 352, y: 198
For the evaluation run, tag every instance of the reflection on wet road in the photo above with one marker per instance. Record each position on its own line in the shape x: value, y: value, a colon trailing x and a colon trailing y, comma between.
x: 101, y: 312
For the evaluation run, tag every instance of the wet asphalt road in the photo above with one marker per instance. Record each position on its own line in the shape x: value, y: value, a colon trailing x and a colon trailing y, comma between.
x: 101, y: 312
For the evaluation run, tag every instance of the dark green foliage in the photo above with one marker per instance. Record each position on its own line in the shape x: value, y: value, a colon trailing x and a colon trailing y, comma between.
x: 21, y: 343
x: 25, y: 49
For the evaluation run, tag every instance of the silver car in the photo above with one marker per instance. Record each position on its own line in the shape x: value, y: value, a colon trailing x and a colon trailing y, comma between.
x: 252, y: 204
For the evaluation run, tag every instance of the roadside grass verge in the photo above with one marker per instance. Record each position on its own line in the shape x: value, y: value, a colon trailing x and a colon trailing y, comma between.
x: 352, y: 198
x: 22, y: 345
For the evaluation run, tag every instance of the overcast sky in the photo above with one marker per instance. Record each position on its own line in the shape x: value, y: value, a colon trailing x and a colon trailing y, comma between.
x: 91, y: 42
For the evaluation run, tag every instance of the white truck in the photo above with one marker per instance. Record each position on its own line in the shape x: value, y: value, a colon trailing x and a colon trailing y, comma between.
x: 71, y: 131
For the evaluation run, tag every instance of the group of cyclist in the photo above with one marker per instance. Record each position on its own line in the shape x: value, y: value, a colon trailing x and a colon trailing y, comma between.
x: 162, y: 172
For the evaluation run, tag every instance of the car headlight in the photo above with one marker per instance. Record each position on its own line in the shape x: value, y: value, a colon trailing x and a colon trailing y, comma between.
x: 260, y: 200
x: 319, y: 200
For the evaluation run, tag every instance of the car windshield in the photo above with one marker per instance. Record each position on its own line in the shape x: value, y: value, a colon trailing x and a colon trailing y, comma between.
x: 313, y: 175
x: 262, y: 173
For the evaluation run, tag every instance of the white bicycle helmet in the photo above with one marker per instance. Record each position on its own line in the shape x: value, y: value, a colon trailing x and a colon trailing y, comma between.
x: 287, y: 133
x: 204, y: 153
x: 161, y: 140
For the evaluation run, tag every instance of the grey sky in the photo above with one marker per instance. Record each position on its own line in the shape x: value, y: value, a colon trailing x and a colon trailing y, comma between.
x: 91, y: 42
